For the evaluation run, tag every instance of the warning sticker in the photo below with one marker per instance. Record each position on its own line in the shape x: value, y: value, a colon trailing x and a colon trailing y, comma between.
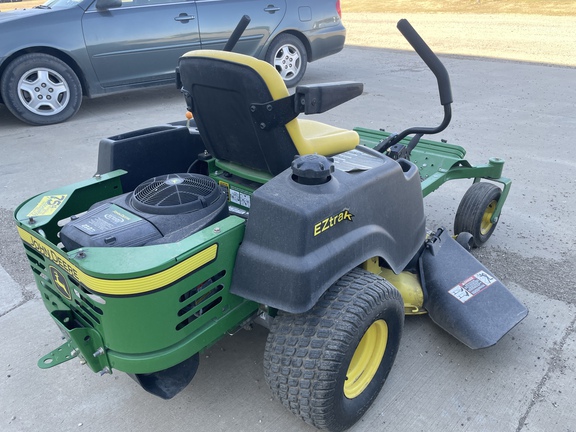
x: 472, y: 286
x: 238, y: 197
x: 47, y: 205
x: 356, y: 160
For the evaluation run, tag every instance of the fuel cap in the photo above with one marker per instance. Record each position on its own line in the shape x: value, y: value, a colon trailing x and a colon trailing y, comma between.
x: 312, y: 169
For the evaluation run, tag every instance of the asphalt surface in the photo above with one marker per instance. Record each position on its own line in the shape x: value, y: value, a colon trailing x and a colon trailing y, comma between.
x: 521, y: 112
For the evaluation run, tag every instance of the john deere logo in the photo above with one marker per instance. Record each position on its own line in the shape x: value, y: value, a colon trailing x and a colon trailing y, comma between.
x: 60, y: 282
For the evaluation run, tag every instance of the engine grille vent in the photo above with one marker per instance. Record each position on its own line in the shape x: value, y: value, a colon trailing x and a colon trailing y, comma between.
x: 175, y: 193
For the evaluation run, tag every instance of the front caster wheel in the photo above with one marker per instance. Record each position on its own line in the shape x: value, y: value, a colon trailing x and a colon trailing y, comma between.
x: 475, y: 212
x: 328, y: 365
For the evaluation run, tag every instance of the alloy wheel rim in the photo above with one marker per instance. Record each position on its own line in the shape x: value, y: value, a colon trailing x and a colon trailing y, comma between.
x: 287, y: 61
x: 43, y: 91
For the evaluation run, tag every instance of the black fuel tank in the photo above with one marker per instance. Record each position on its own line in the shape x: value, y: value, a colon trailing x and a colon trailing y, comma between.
x: 300, y: 238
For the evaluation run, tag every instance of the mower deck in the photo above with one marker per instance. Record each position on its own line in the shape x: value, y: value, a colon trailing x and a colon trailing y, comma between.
x: 439, y: 162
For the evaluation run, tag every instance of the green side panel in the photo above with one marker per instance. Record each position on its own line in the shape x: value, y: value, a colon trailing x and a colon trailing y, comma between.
x: 141, y: 309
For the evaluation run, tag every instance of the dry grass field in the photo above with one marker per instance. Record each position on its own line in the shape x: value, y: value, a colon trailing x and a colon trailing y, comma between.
x: 535, y: 31
x: 19, y: 5
x: 530, y: 7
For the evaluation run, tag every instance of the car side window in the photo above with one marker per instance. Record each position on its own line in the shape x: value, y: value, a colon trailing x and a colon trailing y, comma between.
x: 134, y: 3
x: 156, y: 2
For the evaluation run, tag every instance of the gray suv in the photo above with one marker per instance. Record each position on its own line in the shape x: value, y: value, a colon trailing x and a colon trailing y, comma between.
x: 54, y: 54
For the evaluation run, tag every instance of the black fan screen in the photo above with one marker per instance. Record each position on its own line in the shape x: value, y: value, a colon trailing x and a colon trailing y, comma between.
x: 175, y: 193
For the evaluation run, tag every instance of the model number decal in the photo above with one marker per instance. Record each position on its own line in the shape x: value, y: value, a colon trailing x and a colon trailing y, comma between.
x: 331, y: 221
x: 47, y: 205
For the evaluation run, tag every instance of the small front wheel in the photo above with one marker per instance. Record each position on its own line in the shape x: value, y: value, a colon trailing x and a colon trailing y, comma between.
x: 474, y: 214
x: 328, y: 365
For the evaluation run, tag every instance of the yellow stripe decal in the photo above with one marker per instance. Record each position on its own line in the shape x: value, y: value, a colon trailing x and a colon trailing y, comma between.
x: 122, y: 286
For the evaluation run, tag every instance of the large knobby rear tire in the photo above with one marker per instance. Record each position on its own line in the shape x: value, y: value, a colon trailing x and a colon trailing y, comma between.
x: 328, y: 365
x: 475, y: 212
x: 41, y: 89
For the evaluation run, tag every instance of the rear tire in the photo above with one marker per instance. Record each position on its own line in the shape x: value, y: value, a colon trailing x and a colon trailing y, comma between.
x: 475, y: 211
x: 288, y: 56
x: 328, y: 365
x: 40, y: 89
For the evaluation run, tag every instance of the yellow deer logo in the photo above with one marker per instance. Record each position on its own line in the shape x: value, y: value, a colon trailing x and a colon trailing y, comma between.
x: 60, y: 282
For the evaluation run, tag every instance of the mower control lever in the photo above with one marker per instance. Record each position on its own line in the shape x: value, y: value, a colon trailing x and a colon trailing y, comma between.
x: 444, y: 88
x: 431, y: 60
x: 235, y: 36
x: 230, y: 44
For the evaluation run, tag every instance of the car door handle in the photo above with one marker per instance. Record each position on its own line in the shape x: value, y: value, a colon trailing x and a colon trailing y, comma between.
x: 184, y: 17
x: 271, y: 9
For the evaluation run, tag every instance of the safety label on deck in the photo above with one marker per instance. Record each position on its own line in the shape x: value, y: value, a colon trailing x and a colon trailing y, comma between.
x: 472, y: 286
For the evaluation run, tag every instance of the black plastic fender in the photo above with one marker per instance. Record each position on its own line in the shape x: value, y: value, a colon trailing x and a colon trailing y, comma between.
x: 301, y: 238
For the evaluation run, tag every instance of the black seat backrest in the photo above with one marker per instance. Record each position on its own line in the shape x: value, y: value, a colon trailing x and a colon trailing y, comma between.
x: 221, y: 87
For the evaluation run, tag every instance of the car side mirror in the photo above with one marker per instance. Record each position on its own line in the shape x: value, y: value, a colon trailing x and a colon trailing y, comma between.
x: 108, y: 4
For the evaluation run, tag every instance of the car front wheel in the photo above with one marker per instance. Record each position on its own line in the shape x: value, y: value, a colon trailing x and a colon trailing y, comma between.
x: 288, y: 56
x: 40, y: 89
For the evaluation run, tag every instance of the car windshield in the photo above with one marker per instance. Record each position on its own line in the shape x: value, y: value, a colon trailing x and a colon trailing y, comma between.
x: 59, y: 4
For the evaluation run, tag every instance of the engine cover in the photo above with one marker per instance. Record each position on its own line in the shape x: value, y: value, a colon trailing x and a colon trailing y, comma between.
x: 163, y: 209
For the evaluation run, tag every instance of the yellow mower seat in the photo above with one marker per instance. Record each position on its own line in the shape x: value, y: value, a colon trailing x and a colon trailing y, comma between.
x: 225, y: 91
x: 311, y: 137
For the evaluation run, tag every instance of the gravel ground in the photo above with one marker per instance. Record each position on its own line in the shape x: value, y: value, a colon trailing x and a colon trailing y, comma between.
x: 530, y: 38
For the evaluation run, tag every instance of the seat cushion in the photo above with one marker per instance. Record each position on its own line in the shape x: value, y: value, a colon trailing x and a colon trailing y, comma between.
x: 311, y: 137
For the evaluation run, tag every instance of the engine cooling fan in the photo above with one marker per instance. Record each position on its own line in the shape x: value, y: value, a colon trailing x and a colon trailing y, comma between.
x: 175, y: 193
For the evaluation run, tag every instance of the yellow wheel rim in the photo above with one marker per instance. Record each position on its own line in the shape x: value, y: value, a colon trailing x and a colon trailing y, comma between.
x: 366, y: 359
x: 486, y: 224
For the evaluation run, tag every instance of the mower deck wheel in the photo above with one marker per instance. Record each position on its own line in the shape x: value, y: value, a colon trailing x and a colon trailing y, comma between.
x: 328, y: 365
x: 475, y: 212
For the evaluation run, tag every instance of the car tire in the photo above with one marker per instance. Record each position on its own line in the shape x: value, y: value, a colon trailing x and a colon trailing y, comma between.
x: 40, y: 89
x: 328, y: 365
x: 289, y: 57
